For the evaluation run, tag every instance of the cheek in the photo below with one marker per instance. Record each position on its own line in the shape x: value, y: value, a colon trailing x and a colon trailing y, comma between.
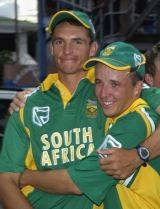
x: 83, y: 51
x: 97, y: 90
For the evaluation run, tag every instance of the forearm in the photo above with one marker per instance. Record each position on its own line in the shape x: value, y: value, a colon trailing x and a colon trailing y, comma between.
x: 153, y: 143
x: 121, y: 163
x: 10, y: 195
x: 54, y: 181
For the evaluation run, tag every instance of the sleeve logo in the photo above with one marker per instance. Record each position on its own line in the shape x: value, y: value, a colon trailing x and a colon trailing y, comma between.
x: 109, y: 142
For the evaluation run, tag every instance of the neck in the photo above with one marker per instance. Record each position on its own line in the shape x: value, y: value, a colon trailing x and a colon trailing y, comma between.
x: 71, y: 81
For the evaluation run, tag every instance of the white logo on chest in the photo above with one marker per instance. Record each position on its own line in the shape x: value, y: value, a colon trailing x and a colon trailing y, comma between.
x: 40, y: 115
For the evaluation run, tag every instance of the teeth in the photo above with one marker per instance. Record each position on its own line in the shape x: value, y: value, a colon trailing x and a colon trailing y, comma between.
x: 108, y: 103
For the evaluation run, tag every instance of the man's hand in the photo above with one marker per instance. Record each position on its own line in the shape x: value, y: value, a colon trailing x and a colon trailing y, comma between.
x: 18, y: 101
x: 120, y: 163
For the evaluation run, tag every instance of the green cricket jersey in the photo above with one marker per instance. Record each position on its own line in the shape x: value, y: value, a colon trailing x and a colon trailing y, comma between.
x: 151, y: 95
x: 57, y: 130
x: 141, y: 190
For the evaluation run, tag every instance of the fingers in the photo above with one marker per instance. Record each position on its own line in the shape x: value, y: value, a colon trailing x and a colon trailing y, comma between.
x: 109, y: 151
x: 116, y: 172
x: 120, y: 164
x: 108, y: 155
x: 13, y: 108
x: 18, y: 101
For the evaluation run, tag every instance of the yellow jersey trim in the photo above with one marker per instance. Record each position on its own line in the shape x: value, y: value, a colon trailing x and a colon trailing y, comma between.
x: 66, y: 95
x: 139, y: 103
x: 29, y: 161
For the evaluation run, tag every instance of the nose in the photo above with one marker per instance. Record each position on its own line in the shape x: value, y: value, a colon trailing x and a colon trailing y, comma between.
x: 68, y: 48
x: 104, y: 91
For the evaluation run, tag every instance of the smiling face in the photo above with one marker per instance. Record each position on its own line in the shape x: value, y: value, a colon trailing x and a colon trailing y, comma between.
x: 115, y: 90
x: 71, y: 47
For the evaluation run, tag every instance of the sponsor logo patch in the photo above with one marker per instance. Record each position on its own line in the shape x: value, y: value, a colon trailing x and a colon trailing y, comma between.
x: 40, y: 115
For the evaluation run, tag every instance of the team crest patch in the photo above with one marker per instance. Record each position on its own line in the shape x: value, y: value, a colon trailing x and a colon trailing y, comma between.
x: 91, y: 108
x: 108, y: 50
x: 40, y: 115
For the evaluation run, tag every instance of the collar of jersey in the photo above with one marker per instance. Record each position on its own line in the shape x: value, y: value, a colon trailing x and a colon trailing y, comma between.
x: 52, y: 79
x: 136, y: 105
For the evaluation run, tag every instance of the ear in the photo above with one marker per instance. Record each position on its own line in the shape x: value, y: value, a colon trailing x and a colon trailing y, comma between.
x: 148, y: 79
x: 93, y: 49
x: 138, y: 88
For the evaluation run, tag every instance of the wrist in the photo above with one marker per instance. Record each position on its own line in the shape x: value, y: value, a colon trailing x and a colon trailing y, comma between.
x: 143, y: 154
x: 137, y: 161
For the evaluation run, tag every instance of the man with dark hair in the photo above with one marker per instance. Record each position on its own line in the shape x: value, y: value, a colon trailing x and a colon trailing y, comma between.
x: 48, y: 131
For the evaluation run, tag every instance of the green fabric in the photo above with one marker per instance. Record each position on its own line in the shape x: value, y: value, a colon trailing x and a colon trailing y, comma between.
x: 120, y: 56
x: 82, y: 17
x: 59, y: 137
x: 15, y: 146
x: 152, y: 96
x: 50, y: 124
x: 115, y: 203
x: 129, y: 131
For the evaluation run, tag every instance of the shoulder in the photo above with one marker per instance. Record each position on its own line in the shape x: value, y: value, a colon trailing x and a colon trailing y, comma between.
x: 142, y: 117
x: 132, y: 128
x: 15, y: 123
x: 152, y: 96
x: 33, y: 94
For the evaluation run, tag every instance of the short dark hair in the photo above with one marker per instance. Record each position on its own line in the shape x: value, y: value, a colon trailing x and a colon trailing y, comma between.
x: 151, y: 55
x: 135, y: 77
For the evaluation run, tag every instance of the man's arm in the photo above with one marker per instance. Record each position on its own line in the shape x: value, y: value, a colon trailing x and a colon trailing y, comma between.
x: 54, y: 181
x: 13, y: 153
x: 80, y: 178
x: 121, y: 163
x: 10, y: 194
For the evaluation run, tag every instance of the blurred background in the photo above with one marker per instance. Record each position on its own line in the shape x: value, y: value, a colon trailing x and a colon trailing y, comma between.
x: 24, y: 53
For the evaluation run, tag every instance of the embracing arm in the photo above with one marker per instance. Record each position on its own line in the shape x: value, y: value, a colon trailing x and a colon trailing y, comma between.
x: 153, y: 143
x: 54, y: 181
x: 19, y: 100
x: 10, y: 194
x: 121, y: 163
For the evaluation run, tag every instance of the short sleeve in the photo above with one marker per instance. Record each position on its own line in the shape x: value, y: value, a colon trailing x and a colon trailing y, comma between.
x: 152, y: 96
x: 14, y: 146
